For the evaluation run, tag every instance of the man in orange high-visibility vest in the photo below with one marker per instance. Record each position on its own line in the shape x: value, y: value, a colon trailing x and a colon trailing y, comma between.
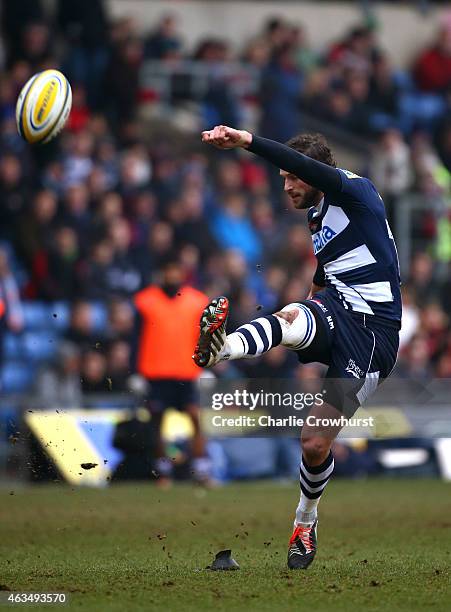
x: 169, y: 315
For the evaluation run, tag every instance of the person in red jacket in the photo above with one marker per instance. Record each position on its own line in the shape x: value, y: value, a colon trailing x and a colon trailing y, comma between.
x: 170, y: 313
x: 432, y: 69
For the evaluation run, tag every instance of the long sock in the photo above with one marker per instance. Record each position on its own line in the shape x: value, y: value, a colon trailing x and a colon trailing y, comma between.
x: 313, y: 481
x: 261, y: 335
x: 254, y: 338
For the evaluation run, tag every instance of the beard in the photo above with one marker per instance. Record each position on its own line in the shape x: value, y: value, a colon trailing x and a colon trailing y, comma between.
x: 310, y: 197
x: 171, y: 289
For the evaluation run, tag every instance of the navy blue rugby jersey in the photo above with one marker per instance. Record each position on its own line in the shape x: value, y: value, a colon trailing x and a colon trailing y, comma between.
x: 355, y: 249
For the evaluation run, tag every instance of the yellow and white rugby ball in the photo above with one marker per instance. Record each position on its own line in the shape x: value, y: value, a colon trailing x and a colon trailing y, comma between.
x: 43, y: 106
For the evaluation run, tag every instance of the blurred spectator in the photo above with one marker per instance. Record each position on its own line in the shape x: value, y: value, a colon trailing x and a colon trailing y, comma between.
x: 76, y: 213
x: 263, y: 219
x: 257, y: 53
x: 220, y: 105
x: 11, y: 313
x: 36, y: 45
x: 193, y: 227
x: 96, y: 271
x: 118, y: 365
x: 338, y: 108
x: 85, y: 28
x: 294, y: 250
x: 233, y: 229
x: 280, y: 96
x: 80, y: 113
x: 16, y: 16
x: 121, y: 321
x: 390, y: 169
x: 81, y: 326
x: 410, y: 318
x: 432, y: 70
x: 13, y: 193
x: 106, y: 155
x: 434, y: 324
x: 94, y: 377
x: 445, y: 291
x: 414, y: 362
x: 390, y: 165
x: 171, y: 373
x: 54, y: 272
x: 135, y: 438
x: 165, y: 177
x: 144, y: 214
x: 422, y: 282
x: 59, y: 385
x: 306, y: 58
x: 78, y: 163
x: 276, y: 33
x: 164, y: 42
x: 356, y: 50
x: 444, y: 366
x: 384, y: 89
x: 443, y: 137
x: 109, y: 208
x: 36, y: 226
x: 124, y: 276
x: 135, y: 172
x: 357, y: 87
x: 229, y: 177
x: 159, y: 247
x: 122, y: 78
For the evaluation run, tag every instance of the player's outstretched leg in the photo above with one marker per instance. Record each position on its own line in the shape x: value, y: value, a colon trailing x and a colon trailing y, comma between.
x: 294, y: 327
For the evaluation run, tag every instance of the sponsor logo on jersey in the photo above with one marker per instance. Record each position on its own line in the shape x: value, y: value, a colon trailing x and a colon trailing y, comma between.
x: 321, y: 238
x: 354, y: 369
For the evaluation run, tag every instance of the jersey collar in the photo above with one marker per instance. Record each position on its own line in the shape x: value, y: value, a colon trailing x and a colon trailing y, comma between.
x: 318, y: 209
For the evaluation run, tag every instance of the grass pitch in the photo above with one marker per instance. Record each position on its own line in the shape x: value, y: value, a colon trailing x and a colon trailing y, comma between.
x: 383, y: 545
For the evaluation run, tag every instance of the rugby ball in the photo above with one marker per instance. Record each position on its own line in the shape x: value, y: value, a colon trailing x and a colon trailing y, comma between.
x: 43, y: 106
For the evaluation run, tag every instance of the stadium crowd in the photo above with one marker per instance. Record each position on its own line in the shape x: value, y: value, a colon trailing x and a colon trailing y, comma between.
x: 89, y: 220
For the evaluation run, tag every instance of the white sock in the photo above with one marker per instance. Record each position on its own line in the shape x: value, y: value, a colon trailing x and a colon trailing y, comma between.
x: 306, y: 511
x: 233, y: 348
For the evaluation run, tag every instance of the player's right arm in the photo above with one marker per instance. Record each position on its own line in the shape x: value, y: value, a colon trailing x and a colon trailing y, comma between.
x: 313, y: 172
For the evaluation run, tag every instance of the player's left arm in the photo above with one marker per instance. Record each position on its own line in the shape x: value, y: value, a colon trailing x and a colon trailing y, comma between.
x: 321, y: 176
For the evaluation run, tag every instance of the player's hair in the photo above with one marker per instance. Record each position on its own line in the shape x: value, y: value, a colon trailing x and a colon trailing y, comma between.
x: 313, y: 145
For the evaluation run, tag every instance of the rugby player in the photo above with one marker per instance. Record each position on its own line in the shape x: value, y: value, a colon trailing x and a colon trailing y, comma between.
x: 351, y: 319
